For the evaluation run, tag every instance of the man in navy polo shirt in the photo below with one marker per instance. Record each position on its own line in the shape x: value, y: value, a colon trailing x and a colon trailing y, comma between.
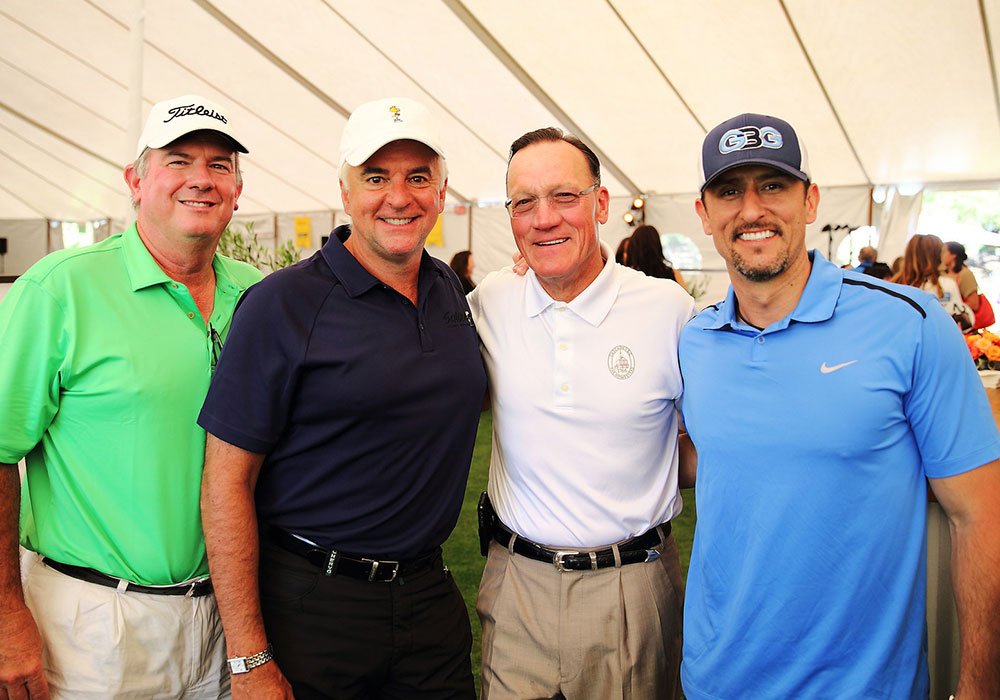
x: 341, y: 423
x: 817, y: 435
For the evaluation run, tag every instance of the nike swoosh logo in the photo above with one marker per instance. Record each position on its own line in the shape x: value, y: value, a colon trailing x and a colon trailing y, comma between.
x: 826, y: 370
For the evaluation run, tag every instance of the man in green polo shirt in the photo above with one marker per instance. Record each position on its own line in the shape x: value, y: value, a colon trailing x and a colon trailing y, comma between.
x: 106, y: 353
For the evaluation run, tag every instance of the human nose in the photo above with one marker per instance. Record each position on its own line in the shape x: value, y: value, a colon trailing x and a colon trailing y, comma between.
x: 397, y: 195
x: 545, y: 214
x: 752, y: 206
x: 200, y: 176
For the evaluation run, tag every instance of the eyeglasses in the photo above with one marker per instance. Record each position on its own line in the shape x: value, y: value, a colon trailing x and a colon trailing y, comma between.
x: 216, y: 340
x: 524, y: 204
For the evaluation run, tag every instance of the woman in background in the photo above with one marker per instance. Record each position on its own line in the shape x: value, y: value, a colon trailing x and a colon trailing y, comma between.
x: 461, y: 263
x: 921, y: 269
x: 953, y: 258
x: 621, y: 255
x: 645, y: 254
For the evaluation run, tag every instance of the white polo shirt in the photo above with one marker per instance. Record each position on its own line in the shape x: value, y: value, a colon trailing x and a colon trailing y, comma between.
x: 584, y: 421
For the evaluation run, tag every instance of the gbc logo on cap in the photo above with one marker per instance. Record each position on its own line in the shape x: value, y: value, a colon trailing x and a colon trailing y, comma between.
x: 750, y: 137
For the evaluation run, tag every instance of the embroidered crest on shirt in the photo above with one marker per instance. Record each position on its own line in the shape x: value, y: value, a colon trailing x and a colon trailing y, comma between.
x: 621, y: 362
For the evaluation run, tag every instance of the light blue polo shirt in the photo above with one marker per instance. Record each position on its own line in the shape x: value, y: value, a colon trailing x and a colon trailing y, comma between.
x: 814, y: 437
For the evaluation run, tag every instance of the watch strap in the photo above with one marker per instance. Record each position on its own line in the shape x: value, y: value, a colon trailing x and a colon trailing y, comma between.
x: 245, y: 664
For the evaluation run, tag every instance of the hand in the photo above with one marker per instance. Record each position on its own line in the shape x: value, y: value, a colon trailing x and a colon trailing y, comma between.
x: 520, y: 264
x: 262, y: 683
x: 21, y: 676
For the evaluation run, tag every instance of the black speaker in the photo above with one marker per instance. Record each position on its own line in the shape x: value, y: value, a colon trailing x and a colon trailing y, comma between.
x: 3, y: 246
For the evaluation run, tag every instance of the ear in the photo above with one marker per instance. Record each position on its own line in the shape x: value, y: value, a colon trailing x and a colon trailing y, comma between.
x: 132, y: 180
x: 345, y: 198
x: 236, y: 199
x: 442, y: 194
x: 603, y: 204
x: 699, y: 207
x: 812, y: 202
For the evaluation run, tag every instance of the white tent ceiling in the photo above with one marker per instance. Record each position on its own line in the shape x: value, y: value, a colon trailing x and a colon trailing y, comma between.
x: 884, y: 92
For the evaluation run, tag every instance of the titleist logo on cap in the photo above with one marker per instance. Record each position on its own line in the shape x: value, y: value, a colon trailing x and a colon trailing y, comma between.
x: 188, y: 110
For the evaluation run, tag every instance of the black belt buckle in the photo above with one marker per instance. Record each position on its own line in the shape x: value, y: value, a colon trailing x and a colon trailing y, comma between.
x: 487, y: 522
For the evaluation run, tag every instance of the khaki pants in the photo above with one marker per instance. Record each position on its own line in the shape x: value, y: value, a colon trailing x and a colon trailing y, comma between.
x: 101, y: 644
x: 613, y: 633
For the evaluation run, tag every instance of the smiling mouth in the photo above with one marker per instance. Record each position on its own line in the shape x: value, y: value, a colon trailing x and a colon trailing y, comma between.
x: 398, y: 222
x: 197, y: 205
x: 557, y: 241
x: 753, y: 236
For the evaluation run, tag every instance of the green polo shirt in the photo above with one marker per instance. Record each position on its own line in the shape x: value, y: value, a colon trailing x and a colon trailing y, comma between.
x: 104, y: 364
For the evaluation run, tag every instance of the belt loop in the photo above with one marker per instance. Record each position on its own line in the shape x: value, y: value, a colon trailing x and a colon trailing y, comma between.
x: 122, y: 585
x: 618, y: 556
x: 190, y: 590
x: 663, y: 530
x: 331, y: 563
x: 510, y: 545
x: 593, y: 561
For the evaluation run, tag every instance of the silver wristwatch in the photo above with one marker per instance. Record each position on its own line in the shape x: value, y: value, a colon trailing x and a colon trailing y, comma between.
x: 245, y: 664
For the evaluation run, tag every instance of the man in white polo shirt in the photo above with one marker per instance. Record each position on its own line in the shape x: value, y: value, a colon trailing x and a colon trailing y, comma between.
x: 582, y: 591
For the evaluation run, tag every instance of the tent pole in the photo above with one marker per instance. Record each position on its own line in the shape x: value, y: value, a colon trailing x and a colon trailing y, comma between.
x: 471, y: 207
x: 137, y: 40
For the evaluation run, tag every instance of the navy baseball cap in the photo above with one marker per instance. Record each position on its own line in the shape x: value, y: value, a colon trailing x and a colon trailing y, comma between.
x: 752, y: 139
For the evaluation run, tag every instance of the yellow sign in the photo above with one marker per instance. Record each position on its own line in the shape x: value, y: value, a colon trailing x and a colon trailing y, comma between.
x: 303, y: 232
x: 436, y: 236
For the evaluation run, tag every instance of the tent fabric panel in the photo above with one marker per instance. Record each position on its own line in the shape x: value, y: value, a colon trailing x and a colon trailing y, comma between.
x: 27, y: 241
x: 345, y: 73
x: 742, y: 58
x: 892, y: 68
x: 38, y: 192
x: 594, y: 70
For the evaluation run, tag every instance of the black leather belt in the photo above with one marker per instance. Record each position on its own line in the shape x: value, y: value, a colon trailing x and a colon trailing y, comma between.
x: 633, y: 551
x: 194, y: 589
x: 334, y: 563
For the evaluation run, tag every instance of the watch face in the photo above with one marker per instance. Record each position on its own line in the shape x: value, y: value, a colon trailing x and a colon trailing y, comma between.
x: 238, y: 665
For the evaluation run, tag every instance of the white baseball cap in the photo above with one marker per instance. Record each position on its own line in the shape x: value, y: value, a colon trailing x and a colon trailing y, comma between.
x: 178, y: 116
x: 374, y: 124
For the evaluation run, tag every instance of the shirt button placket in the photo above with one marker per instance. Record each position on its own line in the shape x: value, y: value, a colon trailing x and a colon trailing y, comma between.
x: 563, y: 359
x: 757, y: 352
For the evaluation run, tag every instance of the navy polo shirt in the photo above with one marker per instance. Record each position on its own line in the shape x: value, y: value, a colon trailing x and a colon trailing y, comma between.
x: 365, y: 405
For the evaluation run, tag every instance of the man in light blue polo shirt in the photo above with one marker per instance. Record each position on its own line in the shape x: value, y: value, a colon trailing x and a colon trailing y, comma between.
x: 817, y: 434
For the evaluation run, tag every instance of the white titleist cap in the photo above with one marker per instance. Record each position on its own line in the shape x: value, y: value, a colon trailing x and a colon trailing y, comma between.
x: 176, y: 117
x: 374, y: 124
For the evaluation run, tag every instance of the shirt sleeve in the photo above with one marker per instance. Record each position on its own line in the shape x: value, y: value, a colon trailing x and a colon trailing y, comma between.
x: 474, y: 303
x: 947, y: 406
x: 33, y: 340
x: 967, y: 282
x: 249, y: 400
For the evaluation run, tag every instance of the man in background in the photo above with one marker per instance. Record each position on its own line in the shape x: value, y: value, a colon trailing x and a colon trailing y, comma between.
x: 867, y: 257
x: 582, y: 591
x: 334, y: 476
x: 105, y: 356
x: 818, y: 433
